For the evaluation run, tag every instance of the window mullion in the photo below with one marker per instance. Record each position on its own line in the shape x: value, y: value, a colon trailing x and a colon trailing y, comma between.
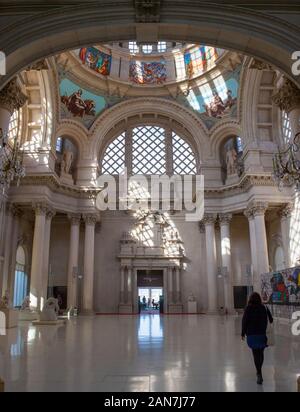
x: 128, y: 150
x: 169, y: 152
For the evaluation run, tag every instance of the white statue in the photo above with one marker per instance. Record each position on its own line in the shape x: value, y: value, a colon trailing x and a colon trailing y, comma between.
x: 231, y: 161
x: 191, y: 297
x: 26, y: 304
x: 67, y: 161
x: 5, y: 301
x: 50, y: 310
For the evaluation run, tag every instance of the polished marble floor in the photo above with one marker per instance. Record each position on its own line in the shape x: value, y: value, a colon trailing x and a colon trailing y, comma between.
x: 146, y: 353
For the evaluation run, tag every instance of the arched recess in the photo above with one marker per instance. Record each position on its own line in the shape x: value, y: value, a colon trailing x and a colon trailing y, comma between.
x: 154, y: 111
x: 251, y: 32
x: 76, y: 132
x: 224, y: 130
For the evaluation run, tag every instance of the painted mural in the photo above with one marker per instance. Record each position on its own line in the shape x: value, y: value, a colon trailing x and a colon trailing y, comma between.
x: 215, y: 99
x: 96, y: 60
x: 147, y: 73
x: 200, y: 59
x: 80, y: 104
x: 282, y: 287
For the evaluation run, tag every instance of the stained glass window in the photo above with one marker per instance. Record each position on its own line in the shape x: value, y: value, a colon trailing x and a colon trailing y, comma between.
x: 133, y: 47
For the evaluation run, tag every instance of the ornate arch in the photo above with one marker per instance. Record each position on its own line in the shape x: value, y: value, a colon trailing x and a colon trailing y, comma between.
x: 223, y: 130
x: 45, y: 33
x: 133, y: 111
x: 78, y: 133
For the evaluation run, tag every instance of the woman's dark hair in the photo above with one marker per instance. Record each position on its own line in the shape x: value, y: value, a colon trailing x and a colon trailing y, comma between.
x: 255, y: 299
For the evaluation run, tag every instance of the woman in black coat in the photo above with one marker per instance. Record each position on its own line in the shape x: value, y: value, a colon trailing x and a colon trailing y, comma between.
x: 254, y: 326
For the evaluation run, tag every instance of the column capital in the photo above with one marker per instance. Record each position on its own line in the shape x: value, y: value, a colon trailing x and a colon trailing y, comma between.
x: 287, y: 96
x: 225, y: 218
x: 40, y: 208
x: 50, y: 213
x: 74, y: 218
x: 258, y: 208
x: 90, y: 219
x: 11, y: 96
x: 249, y: 214
x: 209, y: 219
x: 286, y: 211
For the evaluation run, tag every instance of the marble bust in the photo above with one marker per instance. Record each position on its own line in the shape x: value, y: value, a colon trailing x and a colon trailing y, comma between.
x: 50, y: 310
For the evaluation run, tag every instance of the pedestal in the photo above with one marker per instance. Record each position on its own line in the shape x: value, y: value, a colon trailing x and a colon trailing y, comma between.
x: 192, y: 307
x: 125, y: 308
x: 28, y: 316
x: 11, y: 318
x: 66, y: 179
x: 175, y: 308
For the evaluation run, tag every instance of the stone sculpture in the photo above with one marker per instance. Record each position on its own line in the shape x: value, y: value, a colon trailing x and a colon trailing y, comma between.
x: 26, y: 304
x: 50, y: 311
x: 5, y: 301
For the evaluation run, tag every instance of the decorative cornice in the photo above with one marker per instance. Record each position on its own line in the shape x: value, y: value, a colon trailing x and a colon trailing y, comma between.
x: 287, y: 96
x: 225, y: 218
x: 11, y: 96
x: 260, y: 65
x: 147, y: 11
x: 74, y: 218
x: 286, y: 211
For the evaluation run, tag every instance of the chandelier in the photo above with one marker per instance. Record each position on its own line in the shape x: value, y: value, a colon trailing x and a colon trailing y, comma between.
x: 286, y: 164
x: 11, y: 161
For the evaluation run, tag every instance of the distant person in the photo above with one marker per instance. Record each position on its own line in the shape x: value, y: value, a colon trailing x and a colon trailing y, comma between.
x: 254, y: 326
x: 149, y: 303
x: 144, y: 300
x: 153, y: 303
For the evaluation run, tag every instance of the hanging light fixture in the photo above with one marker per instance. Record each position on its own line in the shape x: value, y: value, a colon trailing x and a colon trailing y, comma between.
x: 286, y: 164
x: 11, y: 161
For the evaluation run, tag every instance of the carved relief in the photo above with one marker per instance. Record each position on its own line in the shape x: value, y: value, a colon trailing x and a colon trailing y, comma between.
x: 147, y: 11
x: 287, y: 96
x: 11, y: 96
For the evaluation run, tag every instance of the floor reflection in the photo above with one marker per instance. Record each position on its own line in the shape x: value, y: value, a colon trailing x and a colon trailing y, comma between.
x: 150, y: 331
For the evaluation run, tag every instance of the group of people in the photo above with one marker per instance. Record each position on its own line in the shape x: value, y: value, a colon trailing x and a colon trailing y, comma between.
x: 149, y: 304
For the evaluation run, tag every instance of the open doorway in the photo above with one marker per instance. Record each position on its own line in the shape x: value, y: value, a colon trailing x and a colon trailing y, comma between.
x: 150, y: 291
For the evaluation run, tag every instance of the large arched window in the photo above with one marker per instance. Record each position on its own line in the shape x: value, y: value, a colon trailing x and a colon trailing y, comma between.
x: 149, y: 150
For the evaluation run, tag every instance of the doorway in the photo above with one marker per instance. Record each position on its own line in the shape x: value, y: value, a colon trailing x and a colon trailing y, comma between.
x: 150, y: 291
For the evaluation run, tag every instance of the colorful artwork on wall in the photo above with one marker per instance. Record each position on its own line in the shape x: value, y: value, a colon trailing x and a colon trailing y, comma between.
x: 199, y: 59
x: 282, y: 287
x: 96, y: 60
x: 215, y: 99
x: 80, y: 104
x: 147, y: 73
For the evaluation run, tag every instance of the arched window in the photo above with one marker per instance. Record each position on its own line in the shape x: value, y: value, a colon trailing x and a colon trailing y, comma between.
x: 286, y: 127
x: 21, y: 278
x: 150, y: 150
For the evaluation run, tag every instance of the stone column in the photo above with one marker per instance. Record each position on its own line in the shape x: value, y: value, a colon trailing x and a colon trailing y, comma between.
x: 122, y: 286
x: 10, y: 211
x: 211, y: 262
x: 287, y: 98
x: 170, y: 286
x: 11, y: 99
x: 129, y: 286
x: 89, y: 256
x: 36, y: 278
x: 225, y: 220
x: 178, y: 286
x: 285, y: 221
x: 258, y: 210
x: 45, y: 274
x: 73, y: 260
x: 254, y: 262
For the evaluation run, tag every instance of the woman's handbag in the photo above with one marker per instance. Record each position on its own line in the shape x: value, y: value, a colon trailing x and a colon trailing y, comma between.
x: 270, y: 332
